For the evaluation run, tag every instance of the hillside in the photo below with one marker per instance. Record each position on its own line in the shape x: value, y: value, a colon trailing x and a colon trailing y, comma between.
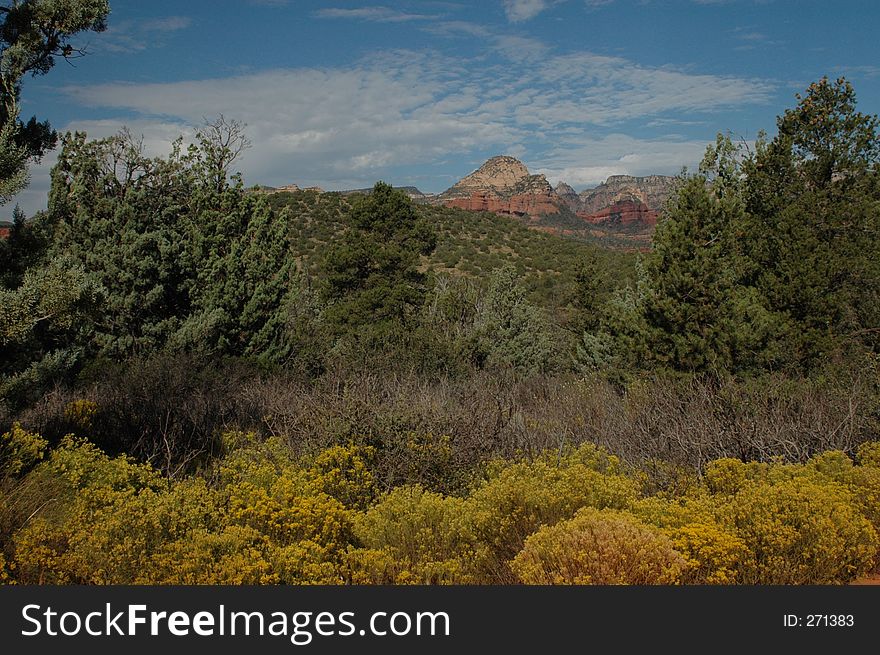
x: 469, y: 243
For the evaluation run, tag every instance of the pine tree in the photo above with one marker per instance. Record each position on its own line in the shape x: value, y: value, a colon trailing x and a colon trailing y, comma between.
x: 372, y: 270
x: 813, y: 232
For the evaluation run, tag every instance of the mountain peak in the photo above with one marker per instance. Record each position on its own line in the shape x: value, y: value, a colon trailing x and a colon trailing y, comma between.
x: 501, y: 175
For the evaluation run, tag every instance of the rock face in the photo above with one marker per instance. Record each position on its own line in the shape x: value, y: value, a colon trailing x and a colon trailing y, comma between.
x: 503, y: 185
x: 623, y: 213
x: 568, y: 195
x: 652, y: 191
x: 523, y: 204
x: 499, y: 175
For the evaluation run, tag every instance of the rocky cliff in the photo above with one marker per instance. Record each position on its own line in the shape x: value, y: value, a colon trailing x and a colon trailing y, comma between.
x: 503, y: 185
x: 652, y: 191
x: 568, y: 196
x: 623, y: 213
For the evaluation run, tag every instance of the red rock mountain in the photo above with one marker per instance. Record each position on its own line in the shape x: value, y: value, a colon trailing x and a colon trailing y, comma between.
x: 504, y: 185
x: 625, y: 200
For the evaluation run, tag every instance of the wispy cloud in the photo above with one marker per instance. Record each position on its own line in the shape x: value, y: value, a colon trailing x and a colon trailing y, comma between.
x: 132, y: 36
x: 522, y: 10
x: 169, y: 24
x: 453, y: 28
x: 518, y: 48
x: 866, y: 70
x: 513, y: 47
x: 339, y: 126
x: 751, y: 39
x: 373, y: 14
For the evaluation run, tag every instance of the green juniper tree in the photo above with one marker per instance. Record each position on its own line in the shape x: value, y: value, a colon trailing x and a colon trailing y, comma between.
x: 373, y: 280
x: 812, y: 233
x: 33, y: 33
x: 512, y: 332
x: 45, y: 303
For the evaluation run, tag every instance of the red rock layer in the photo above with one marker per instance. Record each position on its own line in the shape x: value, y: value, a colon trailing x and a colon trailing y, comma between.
x: 624, y: 212
x: 526, y: 204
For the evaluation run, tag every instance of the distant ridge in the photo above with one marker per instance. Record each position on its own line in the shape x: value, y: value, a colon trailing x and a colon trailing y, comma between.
x: 411, y: 191
x: 504, y: 185
x: 623, y: 204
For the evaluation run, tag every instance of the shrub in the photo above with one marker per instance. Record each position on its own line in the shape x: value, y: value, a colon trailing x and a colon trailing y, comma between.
x: 233, y: 556
x: 19, y: 450
x: 412, y: 536
x: 526, y: 495
x: 800, y: 531
x: 712, y: 554
x: 599, y: 547
x: 868, y: 454
x: 284, y: 514
x: 108, y: 536
x: 342, y: 472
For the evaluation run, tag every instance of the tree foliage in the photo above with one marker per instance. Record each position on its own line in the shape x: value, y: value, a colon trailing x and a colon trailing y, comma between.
x: 33, y: 33
x: 765, y: 259
x: 372, y: 271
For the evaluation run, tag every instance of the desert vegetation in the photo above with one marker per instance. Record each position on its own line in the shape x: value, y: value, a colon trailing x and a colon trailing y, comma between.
x: 200, y: 383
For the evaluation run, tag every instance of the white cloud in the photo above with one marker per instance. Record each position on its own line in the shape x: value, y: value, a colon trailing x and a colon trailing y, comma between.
x: 132, y: 36
x: 169, y: 24
x: 601, y: 90
x: 373, y: 14
x: 320, y: 125
x: 587, y: 162
x: 347, y: 127
x: 522, y: 10
x: 458, y: 28
x: 518, y: 48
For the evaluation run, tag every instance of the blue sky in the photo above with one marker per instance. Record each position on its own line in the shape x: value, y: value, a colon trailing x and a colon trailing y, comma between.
x: 341, y: 94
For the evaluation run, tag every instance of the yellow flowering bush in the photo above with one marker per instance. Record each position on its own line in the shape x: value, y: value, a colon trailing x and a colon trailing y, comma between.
x: 800, y: 531
x: 19, y: 450
x: 260, y: 515
x: 712, y: 555
x: 412, y: 536
x: 343, y: 473
x: 868, y: 454
x: 599, y: 547
x: 524, y: 496
x: 233, y: 555
x: 5, y: 577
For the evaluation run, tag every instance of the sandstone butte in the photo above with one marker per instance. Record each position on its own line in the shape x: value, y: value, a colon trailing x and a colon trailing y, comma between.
x: 504, y: 185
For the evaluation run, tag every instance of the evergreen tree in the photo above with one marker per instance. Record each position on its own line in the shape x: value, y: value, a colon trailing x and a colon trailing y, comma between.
x: 32, y: 34
x: 688, y: 310
x: 512, y: 332
x: 373, y: 277
x: 185, y: 263
x: 44, y: 326
x: 590, y: 293
x: 813, y: 231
